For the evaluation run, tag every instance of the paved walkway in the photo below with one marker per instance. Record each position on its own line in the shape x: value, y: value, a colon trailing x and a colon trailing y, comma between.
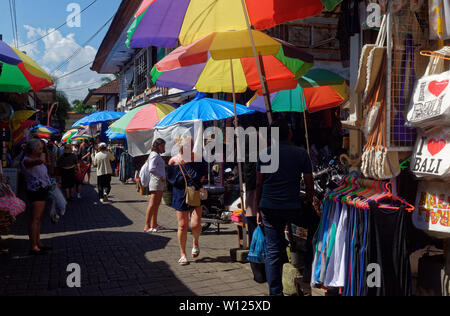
x: 117, y: 258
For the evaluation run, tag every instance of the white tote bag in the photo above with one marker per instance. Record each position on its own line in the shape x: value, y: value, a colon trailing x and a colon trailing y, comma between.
x: 432, y: 212
x: 430, y: 105
x: 431, y: 157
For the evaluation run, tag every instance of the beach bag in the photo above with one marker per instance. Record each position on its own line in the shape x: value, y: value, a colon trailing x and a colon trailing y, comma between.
x: 431, y: 157
x: 9, y: 202
x: 371, y: 64
x: 257, y: 253
x: 378, y: 162
x: 432, y: 211
x: 192, y: 194
x: 430, y: 104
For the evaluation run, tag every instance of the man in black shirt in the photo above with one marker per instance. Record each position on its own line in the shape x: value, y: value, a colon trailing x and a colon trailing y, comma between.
x: 280, y: 203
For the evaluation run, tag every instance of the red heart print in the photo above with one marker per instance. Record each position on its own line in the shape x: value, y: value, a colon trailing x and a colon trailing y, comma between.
x: 436, y: 146
x: 437, y: 87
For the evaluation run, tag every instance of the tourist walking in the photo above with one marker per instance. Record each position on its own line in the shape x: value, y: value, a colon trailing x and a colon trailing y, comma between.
x: 179, y: 173
x: 68, y: 165
x: 103, y: 161
x: 280, y: 202
x: 38, y: 186
x: 85, y: 156
x: 153, y: 177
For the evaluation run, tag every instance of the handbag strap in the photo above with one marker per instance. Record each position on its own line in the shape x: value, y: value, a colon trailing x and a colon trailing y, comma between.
x: 182, y: 172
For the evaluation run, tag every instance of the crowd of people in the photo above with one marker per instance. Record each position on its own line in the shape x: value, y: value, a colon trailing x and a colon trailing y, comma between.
x: 46, y: 165
x: 272, y: 199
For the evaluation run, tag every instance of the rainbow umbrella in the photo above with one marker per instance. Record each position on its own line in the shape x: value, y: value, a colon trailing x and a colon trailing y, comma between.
x: 165, y: 23
x: 23, y: 76
x: 45, y: 129
x: 319, y: 89
x: 142, y: 118
x: 212, y: 76
x: 68, y: 135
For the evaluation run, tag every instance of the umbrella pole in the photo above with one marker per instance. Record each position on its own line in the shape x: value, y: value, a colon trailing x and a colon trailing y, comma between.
x: 258, y: 65
x: 306, y: 123
x: 241, y: 182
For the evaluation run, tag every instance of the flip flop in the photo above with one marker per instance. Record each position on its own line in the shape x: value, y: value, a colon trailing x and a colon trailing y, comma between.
x: 183, y: 261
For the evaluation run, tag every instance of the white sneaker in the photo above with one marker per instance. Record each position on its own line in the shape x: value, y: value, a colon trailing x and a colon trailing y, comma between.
x: 102, y: 200
x: 79, y: 196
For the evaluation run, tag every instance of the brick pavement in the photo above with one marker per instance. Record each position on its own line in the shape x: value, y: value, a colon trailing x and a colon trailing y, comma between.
x: 117, y: 258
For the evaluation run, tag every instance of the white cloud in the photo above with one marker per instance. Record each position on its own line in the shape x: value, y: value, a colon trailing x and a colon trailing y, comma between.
x: 55, y: 49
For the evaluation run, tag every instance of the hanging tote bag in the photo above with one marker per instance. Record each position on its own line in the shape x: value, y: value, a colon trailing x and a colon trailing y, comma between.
x: 431, y: 157
x: 432, y: 212
x: 371, y: 63
x: 430, y: 104
x: 192, y: 194
x: 257, y: 253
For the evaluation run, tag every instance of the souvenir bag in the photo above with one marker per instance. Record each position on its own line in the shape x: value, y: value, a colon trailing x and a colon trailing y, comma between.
x: 371, y: 62
x: 430, y: 105
x: 378, y: 162
x: 432, y: 212
x: 192, y: 194
x: 9, y: 201
x: 431, y: 157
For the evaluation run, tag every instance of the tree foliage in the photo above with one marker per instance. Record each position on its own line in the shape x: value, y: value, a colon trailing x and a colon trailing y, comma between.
x: 80, y: 108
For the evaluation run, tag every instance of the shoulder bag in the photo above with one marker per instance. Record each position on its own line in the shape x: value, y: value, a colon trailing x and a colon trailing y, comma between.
x: 192, y: 195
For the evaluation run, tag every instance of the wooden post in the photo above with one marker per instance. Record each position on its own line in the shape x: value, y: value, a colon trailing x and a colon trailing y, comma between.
x: 241, y: 182
x: 258, y: 64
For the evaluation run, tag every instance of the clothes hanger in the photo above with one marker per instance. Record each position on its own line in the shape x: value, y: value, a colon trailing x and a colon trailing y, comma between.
x: 428, y: 53
x: 410, y: 208
x: 344, y: 185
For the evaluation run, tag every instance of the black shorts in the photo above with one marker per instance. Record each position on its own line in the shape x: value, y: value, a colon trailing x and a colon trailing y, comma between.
x: 38, y: 196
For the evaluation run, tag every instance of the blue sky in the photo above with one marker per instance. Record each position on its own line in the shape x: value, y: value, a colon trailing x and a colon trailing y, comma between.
x: 36, y: 18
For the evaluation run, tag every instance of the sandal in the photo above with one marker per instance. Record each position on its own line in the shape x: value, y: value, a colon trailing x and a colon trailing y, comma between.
x: 195, y: 252
x: 183, y: 261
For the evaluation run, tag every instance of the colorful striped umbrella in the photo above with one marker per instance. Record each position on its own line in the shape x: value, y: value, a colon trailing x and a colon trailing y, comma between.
x: 23, y: 76
x: 98, y: 117
x: 319, y: 89
x: 45, y: 129
x: 213, y: 76
x: 142, y: 118
x: 7, y: 55
x: 68, y: 135
x: 115, y: 136
x: 165, y: 23
x: 221, y: 46
x: 203, y: 109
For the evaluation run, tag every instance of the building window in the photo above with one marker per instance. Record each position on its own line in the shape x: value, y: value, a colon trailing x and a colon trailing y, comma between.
x: 141, y: 70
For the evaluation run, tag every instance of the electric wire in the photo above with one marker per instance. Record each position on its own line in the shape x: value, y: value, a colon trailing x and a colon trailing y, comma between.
x: 80, y: 49
x: 59, y: 27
